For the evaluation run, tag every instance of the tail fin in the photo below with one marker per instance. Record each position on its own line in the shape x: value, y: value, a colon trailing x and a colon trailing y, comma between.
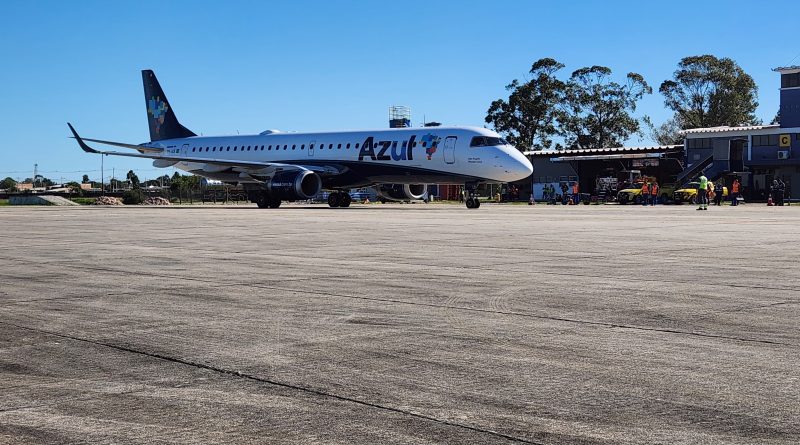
x: 160, y: 117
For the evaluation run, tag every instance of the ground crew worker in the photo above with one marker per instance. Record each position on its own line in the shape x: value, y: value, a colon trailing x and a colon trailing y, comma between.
x: 719, y: 188
x: 575, y: 196
x: 653, y: 193
x: 735, y: 192
x: 645, y: 192
x: 702, y: 193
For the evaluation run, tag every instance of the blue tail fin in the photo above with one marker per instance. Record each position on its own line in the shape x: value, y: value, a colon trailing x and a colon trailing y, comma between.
x: 160, y: 117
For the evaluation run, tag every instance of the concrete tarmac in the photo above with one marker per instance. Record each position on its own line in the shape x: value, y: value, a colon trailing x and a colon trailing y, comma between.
x: 406, y: 324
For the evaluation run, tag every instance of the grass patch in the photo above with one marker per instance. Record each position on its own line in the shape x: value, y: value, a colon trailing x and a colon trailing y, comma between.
x: 3, y: 202
x: 83, y: 201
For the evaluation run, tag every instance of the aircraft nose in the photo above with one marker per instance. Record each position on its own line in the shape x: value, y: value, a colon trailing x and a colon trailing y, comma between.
x: 519, y: 167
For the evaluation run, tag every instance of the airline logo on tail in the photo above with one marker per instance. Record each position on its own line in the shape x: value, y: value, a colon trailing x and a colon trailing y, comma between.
x: 158, y: 109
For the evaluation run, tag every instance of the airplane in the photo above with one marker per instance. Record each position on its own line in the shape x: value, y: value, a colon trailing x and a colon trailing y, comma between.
x: 273, y: 166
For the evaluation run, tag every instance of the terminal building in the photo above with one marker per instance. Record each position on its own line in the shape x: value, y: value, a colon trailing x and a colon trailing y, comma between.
x: 756, y: 154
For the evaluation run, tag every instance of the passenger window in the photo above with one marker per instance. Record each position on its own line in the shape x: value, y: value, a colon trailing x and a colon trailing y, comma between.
x: 284, y: 147
x: 311, y: 147
x: 356, y: 144
x: 293, y: 146
x: 303, y: 147
x: 269, y: 147
x: 330, y: 146
x: 348, y: 145
x: 339, y: 146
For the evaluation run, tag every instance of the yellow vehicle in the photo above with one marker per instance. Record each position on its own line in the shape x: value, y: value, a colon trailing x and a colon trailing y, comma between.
x: 631, y: 195
x: 634, y: 195
x: 689, y: 193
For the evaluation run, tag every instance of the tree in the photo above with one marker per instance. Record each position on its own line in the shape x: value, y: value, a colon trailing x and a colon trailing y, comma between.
x: 777, y: 119
x: 41, y: 181
x: 85, y: 179
x: 133, y: 179
x: 529, y: 118
x: 599, y: 112
x: 133, y: 196
x: 708, y: 92
x: 8, y: 183
x: 667, y: 133
x: 74, y: 188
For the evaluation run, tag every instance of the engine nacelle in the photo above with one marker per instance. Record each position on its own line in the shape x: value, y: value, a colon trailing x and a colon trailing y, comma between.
x: 294, y: 185
x: 402, y: 192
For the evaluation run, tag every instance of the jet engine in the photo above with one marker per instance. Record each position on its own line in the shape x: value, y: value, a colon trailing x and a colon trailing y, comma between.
x: 402, y: 192
x: 294, y: 185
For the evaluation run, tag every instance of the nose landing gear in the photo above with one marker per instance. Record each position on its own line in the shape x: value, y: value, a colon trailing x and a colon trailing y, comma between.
x: 471, y: 196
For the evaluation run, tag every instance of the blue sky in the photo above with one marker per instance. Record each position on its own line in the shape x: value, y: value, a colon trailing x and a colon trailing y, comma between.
x: 305, y: 66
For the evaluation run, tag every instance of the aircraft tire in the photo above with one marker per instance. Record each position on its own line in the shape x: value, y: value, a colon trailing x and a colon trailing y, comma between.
x: 274, y: 203
x: 345, y: 200
x: 333, y: 199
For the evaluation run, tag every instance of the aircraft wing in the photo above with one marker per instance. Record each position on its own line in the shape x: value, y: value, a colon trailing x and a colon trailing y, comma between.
x: 156, y: 153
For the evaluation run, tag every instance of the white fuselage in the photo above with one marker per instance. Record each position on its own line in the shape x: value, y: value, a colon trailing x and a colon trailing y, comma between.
x: 406, y: 155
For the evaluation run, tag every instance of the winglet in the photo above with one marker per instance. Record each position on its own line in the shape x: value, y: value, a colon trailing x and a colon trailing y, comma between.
x: 82, y: 144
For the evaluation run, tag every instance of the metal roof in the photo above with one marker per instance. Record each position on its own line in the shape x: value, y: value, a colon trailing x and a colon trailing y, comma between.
x: 787, y: 69
x: 603, y: 151
x: 726, y: 129
x: 607, y: 157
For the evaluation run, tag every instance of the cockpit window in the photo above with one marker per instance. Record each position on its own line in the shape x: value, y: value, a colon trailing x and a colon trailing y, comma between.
x: 486, y: 141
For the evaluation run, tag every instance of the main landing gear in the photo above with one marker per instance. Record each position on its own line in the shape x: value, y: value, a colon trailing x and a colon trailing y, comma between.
x: 339, y: 199
x: 470, y: 190
x: 267, y: 201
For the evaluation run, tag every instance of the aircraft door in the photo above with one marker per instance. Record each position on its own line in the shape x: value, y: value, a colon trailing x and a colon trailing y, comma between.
x: 450, y: 150
x: 185, y: 150
x: 311, y: 146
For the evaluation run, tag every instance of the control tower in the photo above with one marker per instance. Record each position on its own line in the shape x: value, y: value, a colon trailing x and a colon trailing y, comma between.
x: 399, y: 116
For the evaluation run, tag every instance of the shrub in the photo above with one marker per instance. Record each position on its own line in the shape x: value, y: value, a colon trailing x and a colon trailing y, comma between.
x: 133, y: 197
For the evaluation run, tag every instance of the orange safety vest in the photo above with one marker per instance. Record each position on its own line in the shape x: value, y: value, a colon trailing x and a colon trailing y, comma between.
x: 575, y: 188
x: 645, y: 190
x: 736, y: 187
x: 654, y: 190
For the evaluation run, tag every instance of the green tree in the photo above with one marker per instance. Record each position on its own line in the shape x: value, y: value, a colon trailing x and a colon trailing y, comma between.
x: 529, y: 117
x: 41, y: 181
x: 667, y: 133
x: 133, y: 179
x: 85, y: 179
x: 133, y: 196
x: 599, y: 112
x: 777, y: 119
x: 74, y: 188
x: 8, y: 183
x: 708, y: 92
